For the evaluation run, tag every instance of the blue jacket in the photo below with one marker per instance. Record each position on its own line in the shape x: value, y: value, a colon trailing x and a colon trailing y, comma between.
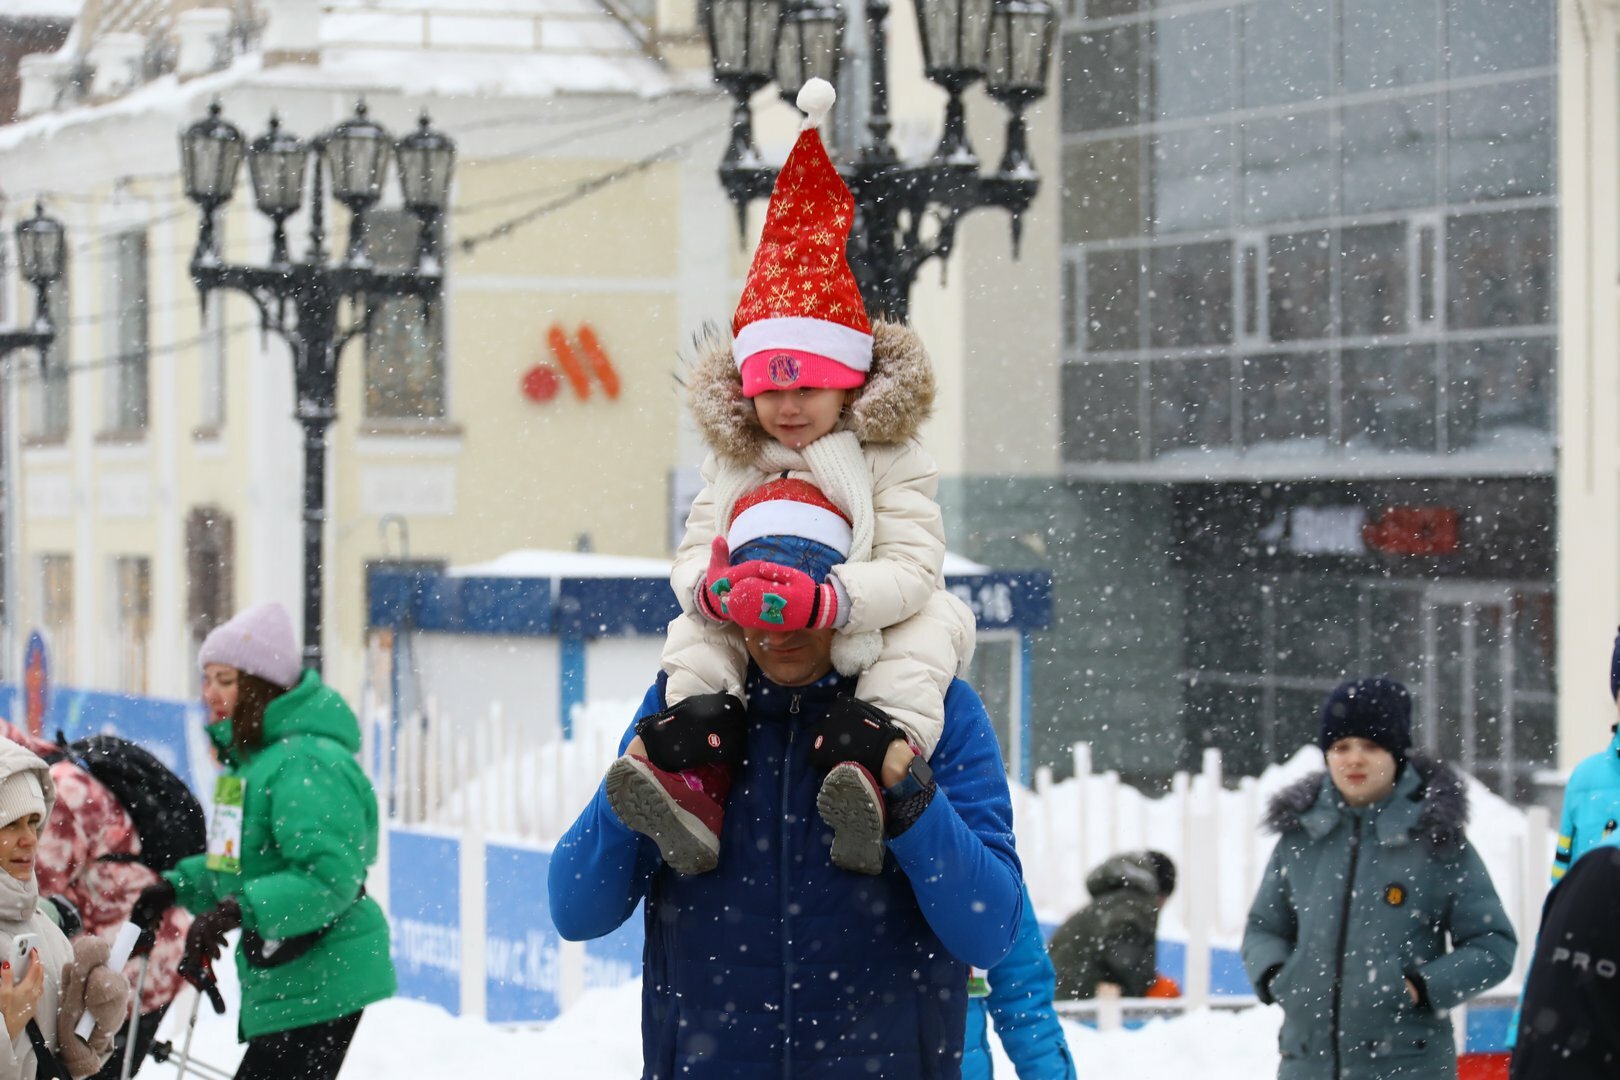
x: 1591, y: 807
x: 776, y: 963
x: 1021, y: 989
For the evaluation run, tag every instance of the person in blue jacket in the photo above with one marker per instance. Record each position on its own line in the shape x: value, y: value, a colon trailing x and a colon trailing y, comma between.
x: 1592, y: 797
x: 777, y: 962
x: 1019, y: 1000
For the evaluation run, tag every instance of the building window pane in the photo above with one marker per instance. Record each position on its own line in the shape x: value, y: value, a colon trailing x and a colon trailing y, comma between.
x: 1104, y: 9
x: 1192, y: 65
x: 1394, y: 634
x: 211, y: 367
x: 1192, y: 405
x: 1389, y: 399
x: 1285, y: 52
x: 1501, y: 141
x: 1101, y: 78
x: 1229, y: 719
x: 1389, y: 44
x: 1500, y: 395
x: 1499, y: 35
x: 1193, y: 183
x: 126, y: 402
x: 1299, y: 285
x: 55, y: 612
x: 1190, y: 295
x: 131, y: 622
x: 1316, y: 633
x: 405, y: 342
x: 1390, y: 154
x: 1372, y: 277
x: 1113, y: 300
x: 45, y: 397
x: 1285, y: 400
x: 1224, y: 623
x: 1102, y: 198
x: 1102, y: 412
x: 1288, y: 168
x: 1499, y: 269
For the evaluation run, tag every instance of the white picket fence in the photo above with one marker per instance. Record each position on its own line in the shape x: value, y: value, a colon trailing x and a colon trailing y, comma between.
x: 497, y: 778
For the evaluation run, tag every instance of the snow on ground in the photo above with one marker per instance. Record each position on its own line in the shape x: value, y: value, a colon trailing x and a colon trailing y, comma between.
x: 600, y: 1038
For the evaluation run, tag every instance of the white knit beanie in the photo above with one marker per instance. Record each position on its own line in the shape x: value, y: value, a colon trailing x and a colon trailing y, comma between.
x: 259, y: 641
x: 25, y: 784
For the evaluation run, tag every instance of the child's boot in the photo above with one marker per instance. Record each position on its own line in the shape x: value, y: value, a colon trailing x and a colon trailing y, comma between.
x: 852, y: 803
x: 682, y: 812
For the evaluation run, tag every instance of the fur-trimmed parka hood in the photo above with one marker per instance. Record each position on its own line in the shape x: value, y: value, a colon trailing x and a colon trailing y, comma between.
x: 890, y: 408
x: 1434, y: 790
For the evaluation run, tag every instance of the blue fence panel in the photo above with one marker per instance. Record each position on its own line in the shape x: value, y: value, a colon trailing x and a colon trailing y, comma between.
x: 522, y: 949
x: 424, y: 898
x: 616, y: 959
x: 158, y: 724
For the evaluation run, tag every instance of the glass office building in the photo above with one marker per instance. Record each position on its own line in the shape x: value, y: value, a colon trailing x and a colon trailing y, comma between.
x: 1308, y: 399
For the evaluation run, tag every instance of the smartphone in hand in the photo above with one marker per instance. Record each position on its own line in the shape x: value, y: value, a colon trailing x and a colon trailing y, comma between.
x: 22, y: 953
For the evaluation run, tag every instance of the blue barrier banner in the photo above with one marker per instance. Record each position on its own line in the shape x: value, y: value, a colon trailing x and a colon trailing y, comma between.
x: 171, y: 730
x: 616, y: 959
x: 424, y: 897
x: 522, y: 949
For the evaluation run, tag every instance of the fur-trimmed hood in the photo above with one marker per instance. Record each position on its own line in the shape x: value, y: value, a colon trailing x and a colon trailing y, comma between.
x: 1438, y: 790
x: 890, y: 408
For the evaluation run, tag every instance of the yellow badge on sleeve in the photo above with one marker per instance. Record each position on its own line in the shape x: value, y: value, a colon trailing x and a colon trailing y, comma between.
x: 1395, y: 894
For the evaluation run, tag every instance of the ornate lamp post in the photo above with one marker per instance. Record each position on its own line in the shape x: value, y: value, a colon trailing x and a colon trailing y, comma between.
x: 300, y: 299
x: 1008, y: 43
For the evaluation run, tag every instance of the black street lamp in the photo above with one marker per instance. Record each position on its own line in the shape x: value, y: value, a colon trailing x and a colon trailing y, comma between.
x: 300, y: 299
x: 41, y: 255
x: 1007, y: 43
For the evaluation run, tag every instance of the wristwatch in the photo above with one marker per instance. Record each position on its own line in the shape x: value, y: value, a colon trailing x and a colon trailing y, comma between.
x: 907, y: 800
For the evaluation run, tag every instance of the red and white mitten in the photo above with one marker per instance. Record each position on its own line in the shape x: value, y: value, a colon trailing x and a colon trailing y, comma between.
x: 775, y: 597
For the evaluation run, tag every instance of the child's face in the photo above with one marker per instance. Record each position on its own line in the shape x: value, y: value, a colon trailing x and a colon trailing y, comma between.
x: 797, y: 418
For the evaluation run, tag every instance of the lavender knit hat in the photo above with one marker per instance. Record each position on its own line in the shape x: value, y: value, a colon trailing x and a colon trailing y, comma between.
x: 259, y: 641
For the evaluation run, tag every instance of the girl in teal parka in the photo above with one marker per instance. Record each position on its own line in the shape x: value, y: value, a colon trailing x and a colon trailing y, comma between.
x: 1372, y: 874
x: 293, y: 833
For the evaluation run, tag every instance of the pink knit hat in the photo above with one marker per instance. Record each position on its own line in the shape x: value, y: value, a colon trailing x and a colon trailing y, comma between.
x: 259, y: 641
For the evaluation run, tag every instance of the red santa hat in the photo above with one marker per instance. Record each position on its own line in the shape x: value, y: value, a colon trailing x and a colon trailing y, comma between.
x: 788, y: 509
x: 801, y: 321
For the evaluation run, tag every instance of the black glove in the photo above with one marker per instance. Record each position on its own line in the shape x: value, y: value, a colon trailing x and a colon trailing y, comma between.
x: 854, y: 730
x: 148, y: 912
x: 703, y: 730
x: 206, y: 939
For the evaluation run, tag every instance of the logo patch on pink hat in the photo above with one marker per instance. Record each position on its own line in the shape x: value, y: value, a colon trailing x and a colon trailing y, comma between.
x: 783, y: 370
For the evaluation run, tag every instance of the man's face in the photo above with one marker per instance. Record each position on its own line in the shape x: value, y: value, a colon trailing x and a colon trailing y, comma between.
x: 791, y: 657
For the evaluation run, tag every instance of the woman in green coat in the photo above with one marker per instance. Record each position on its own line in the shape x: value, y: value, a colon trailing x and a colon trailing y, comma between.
x: 293, y: 831
x: 1372, y: 874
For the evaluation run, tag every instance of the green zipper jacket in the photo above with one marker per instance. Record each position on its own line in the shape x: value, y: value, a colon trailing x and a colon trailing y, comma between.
x: 309, y: 831
x: 1354, y: 903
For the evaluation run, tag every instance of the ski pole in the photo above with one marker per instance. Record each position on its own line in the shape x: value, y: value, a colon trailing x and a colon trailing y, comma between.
x: 134, y: 1021
x: 162, y: 1051
x: 191, y: 1029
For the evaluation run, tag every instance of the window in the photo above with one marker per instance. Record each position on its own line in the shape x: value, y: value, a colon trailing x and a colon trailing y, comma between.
x: 1389, y: 399
x: 126, y: 401
x: 1192, y: 65
x: 1373, y: 279
x: 1193, y: 185
x: 1390, y: 153
x: 1113, y: 300
x: 1288, y: 168
x: 1499, y: 391
x: 1499, y: 269
x: 1299, y: 289
x: 1499, y: 35
x: 1190, y: 295
x: 1192, y: 405
x: 1285, y: 52
x: 1285, y: 399
x: 54, y: 607
x: 131, y: 622
x: 211, y: 367
x: 405, y: 343
x: 210, y: 551
x: 1388, y: 45
x: 46, y: 387
x: 1101, y: 73
x: 1501, y: 141
x: 1102, y: 409
x: 1102, y: 198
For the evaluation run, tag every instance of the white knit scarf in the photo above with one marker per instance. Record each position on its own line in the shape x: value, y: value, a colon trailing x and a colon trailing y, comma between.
x: 17, y: 899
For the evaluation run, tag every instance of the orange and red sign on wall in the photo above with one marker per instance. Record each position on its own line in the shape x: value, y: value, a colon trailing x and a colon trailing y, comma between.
x: 579, y: 365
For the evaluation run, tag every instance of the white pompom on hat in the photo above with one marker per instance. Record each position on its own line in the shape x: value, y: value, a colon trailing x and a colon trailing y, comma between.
x: 259, y: 641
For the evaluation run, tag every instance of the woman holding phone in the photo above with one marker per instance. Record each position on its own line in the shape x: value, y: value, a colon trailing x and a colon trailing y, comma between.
x: 46, y: 984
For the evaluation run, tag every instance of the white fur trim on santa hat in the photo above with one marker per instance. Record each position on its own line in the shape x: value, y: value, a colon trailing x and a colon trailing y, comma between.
x: 845, y: 344
x: 789, y: 517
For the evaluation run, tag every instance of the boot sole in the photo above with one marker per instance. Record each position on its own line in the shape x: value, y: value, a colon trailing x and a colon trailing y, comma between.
x: 847, y: 803
x: 686, y: 844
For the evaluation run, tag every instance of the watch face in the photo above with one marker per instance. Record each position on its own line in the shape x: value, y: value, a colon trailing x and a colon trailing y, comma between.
x: 919, y: 771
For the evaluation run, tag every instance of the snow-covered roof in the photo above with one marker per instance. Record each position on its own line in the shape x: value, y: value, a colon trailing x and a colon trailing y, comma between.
x: 531, y: 563
x: 46, y: 9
